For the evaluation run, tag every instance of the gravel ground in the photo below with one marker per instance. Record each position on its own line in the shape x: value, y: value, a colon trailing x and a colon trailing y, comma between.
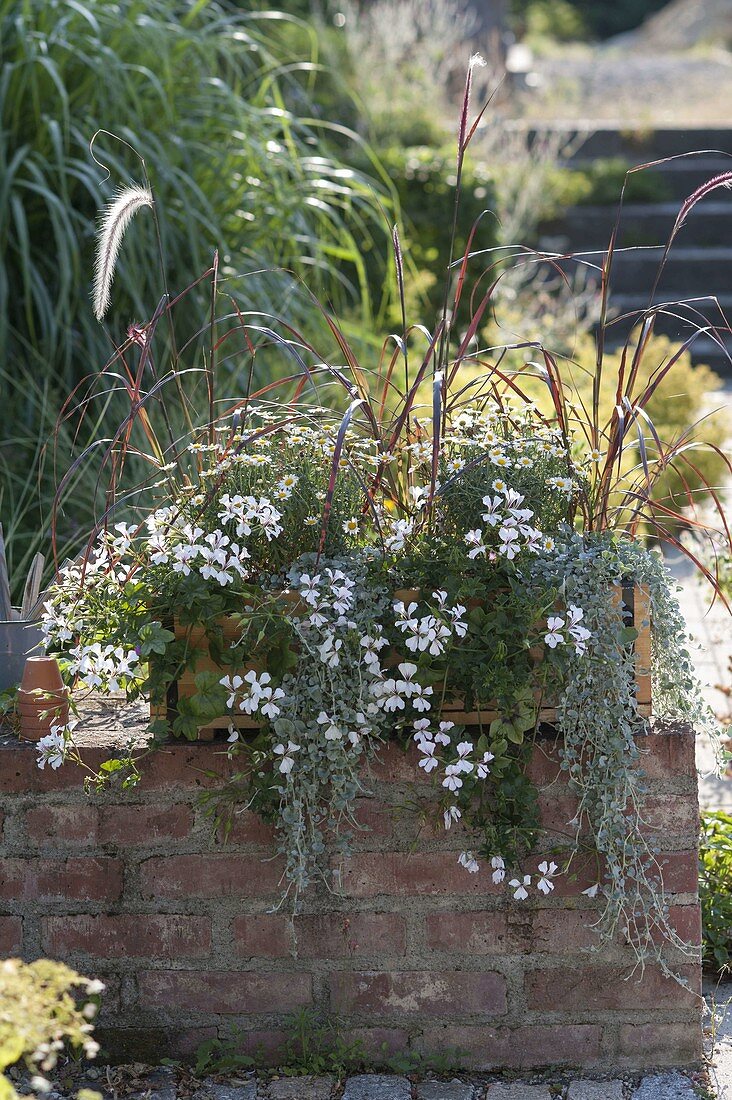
x: 143, y: 1083
x: 611, y: 84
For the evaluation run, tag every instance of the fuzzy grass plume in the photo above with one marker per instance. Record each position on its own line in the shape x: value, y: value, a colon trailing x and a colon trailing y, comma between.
x: 112, y: 226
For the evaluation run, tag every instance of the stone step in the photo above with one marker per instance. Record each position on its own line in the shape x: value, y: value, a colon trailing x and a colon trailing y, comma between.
x: 677, y: 179
x: 583, y: 227
x: 688, y: 272
x: 627, y: 308
x: 635, y: 144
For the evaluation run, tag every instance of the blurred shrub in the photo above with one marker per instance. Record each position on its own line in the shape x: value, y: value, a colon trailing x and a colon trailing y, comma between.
x: 38, y: 1014
x: 715, y: 889
x: 596, y: 18
x: 600, y: 184
x: 677, y: 403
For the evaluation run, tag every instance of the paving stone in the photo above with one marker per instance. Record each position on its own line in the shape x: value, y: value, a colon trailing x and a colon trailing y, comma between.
x: 595, y: 1090
x: 445, y: 1090
x: 665, y: 1086
x: 301, y: 1088
x: 518, y: 1090
x: 216, y: 1090
x: 377, y: 1086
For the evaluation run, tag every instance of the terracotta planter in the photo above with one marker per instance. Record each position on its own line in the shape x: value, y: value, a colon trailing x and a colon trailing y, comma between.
x: 634, y: 598
x: 42, y: 698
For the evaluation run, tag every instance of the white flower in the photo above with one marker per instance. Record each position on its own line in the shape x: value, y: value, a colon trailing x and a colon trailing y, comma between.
x: 482, y: 769
x: 233, y: 734
x: 389, y: 695
x: 520, y: 892
x: 350, y: 526
x: 401, y: 529
x: 474, y: 539
x: 499, y: 869
x: 452, y: 779
x: 309, y: 589
x: 499, y: 486
x: 554, y: 637
x: 493, y: 506
x: 428, y: 761
x: 333, y: 732
x: 464, y: 749
x: 422, y: 730
x: 329, y: 651
x: 443, y: 737
x: 547, y: 871
x: 509, y: 542
x: 561, y: 484
x: 51, y: 750
x: 458, y: 625
x: 232, y: 684
x: 288, y: 761
x: 452, y: 813
x: 591, y: 891
x: 469, y: 862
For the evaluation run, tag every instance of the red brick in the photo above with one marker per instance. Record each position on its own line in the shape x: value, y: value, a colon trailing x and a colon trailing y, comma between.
x: 184, y: 765
x: 124, y: 1045
x: 659, y: 1044
x: 80, y: 879
x: 545, y: 765
x: 369, y: 874
x: 136, y: 936
x: 394, y: 764
x: 146, y: 824
x: 671, y: 813
x: 11, y: 936
x: 266, y: 935
x: 557, y: 807
x: 602, y: 987
x: 224, y: 991
x: 668, y: 754
x: 687, y: 923
x: 374, y: 816
x: 380, y: 1041
x: 20, y: 774
x: 563, y: 931
x: 339, y: 935
x: 209, y: 876
x: 472, y: 933
x: 485, y: 1048
x: 75, y: 824
x: 679, y: 871
x: 420, y: 992
x: 265, y: 1044
x: 247, y: 828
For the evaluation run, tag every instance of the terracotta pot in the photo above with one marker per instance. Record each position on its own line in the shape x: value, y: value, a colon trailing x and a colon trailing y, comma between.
x: 42, y: 698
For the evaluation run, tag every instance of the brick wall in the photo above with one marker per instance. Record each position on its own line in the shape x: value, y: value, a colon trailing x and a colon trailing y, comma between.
x: 135, y: 889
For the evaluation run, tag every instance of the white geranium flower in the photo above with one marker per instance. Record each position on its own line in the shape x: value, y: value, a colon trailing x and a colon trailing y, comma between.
x: 547, y: 872
x: 288, y: 761
x: 499, y: 869
x: 519, y: 887
x: 554, y: 637
x: 591, y: 891
x: 443, y: 736
x: 482, y: 770
x: 451, y: 814
x: 474, y: 539
x: 469, y: 862
x: 51, y: 750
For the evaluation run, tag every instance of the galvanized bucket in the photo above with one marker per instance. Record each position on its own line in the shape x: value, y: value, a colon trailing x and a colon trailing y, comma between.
x: 18, y: 639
